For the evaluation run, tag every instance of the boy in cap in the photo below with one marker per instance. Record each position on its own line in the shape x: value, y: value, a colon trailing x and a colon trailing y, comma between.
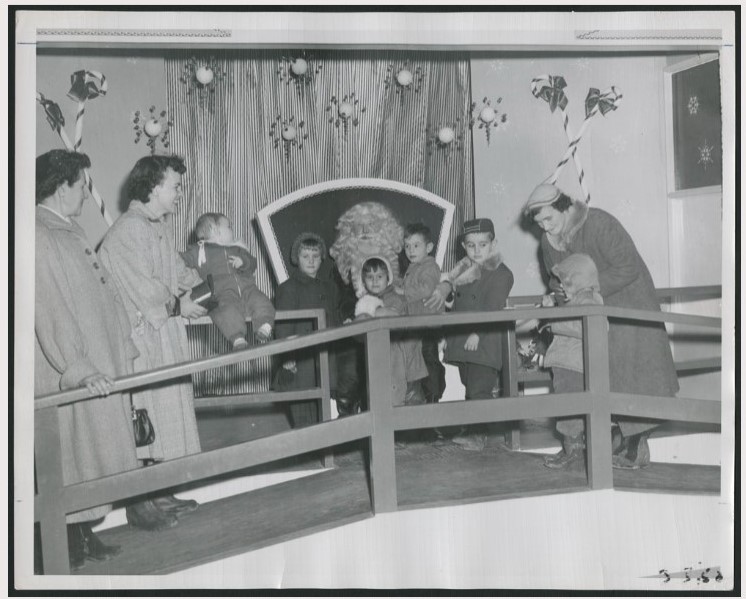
x: 481, y: 282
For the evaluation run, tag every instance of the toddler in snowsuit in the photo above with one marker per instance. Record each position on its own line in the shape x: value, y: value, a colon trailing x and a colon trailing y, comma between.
x: 228, y: 261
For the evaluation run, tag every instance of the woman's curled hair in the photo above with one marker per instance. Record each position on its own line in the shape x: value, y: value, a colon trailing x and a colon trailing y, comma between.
x: 55, y: 168
x: 148, y: 173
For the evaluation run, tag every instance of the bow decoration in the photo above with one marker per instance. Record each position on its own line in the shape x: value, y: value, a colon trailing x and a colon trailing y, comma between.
x: 550, y: 88
x: 602, y: 102
x: 53, y: 112
x: 87, y: 85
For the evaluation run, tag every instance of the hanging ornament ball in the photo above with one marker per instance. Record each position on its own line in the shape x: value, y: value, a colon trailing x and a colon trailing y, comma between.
x: 153, y: 128
x: 404, y: 77
x: 299, y: 66
x: 446, y: 135
x: 289, y: 133
x: 204, y: 75
x: 487, y: 115
x: 345, y: 110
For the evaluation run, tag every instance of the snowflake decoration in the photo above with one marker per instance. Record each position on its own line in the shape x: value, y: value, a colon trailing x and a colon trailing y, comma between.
x: 618, y: 144
x: 693, y: 105
x: 345, y: 111
x: 404, y: 78
x: 499, y: 188
x: 153, y: 127
x: 583, y: 64
x: 497, y: 65
x: 287, y: 135
x: 487, y: 117
x: 705, y: 155
x: 299, y: 70
x: 532, y: 270
x: 202, y: 77
x: 445, y: 138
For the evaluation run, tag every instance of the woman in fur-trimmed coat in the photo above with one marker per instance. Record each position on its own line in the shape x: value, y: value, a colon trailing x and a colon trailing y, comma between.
x: 640, y: 360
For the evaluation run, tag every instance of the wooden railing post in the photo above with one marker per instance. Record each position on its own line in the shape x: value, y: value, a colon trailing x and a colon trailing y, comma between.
x: 50, y: 498
x: 325, y: 408
x: 510, y: 382
x: 382, y: 461
x: 598, y: 423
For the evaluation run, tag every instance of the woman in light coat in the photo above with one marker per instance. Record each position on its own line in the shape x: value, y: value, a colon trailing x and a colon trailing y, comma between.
x: 82, y: 339
x: 151, y: 277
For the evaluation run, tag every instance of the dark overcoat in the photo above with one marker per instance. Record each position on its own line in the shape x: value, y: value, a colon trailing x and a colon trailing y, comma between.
x: 640, y: 359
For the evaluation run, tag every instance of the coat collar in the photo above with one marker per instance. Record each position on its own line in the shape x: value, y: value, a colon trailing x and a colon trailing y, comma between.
x: 577, y: 215
x: 302, y: 277
x: 143, y: 209
x: 466, y: 271
x: 52, y: 220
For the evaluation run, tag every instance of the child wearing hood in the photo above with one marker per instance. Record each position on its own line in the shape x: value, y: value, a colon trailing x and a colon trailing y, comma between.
x: 218, y: 254
x: 481, y: 282
x: 381, y: 299
x: 578, y: 277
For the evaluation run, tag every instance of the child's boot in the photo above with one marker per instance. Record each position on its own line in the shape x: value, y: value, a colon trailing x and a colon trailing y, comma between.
x: 572, y: 453
x: 347, y: 407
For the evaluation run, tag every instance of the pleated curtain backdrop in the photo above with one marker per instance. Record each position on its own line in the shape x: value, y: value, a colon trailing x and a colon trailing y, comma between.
x: 233, y: 165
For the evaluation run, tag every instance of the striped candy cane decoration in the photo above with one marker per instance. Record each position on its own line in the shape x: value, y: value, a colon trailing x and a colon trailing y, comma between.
x: 550, y: 88
x: 56, y: 121
x: 85, y: 85
x: 595, y: 102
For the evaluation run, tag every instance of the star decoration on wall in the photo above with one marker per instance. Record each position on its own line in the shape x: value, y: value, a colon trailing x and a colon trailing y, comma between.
x: 299, y: 70
x: 705, y: 155
x: 202, y: 77
x: 618, y: 144
x: 533, y: 271
x: 288, y: 134
x: 345, y: 112
x: 487, y: 116
x: 498, y: 187
x: 497, y: 65
x: 445, y: 138
x: 154, y: 126
x: 404, y: 78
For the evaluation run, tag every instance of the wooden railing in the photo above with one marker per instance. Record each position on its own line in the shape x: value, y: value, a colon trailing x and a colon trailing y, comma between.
x: 379, y: 424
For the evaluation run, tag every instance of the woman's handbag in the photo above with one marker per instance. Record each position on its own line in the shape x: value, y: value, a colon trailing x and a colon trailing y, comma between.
x: 143, y: 427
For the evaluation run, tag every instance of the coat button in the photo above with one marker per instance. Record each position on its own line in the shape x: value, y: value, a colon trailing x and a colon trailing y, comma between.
x: 88, y: 251
x: 95, y: 265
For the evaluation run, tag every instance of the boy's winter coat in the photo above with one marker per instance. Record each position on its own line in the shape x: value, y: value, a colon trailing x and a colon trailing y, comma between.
x: 478, y: 289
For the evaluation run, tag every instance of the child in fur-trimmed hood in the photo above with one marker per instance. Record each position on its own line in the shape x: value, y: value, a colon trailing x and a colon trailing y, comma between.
x: 381, y: 299
x: 578, y: 277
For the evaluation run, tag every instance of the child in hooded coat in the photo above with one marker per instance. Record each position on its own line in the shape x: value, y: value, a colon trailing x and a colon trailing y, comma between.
x: 382, y: 299
x: 578, y: 276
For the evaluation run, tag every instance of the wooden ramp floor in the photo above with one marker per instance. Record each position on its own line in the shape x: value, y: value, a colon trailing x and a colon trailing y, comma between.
x: 428, y: 474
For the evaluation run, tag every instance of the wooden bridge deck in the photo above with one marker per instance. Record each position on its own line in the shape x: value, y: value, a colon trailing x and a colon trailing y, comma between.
x: 427, y: 475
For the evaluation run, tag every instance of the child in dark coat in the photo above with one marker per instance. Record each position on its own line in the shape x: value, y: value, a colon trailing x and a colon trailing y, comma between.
x: 304, y: 290
x: 219, y: 254
x: 481, y: 282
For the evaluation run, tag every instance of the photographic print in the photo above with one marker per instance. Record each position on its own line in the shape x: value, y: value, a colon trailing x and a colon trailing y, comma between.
x: 365, y: 299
